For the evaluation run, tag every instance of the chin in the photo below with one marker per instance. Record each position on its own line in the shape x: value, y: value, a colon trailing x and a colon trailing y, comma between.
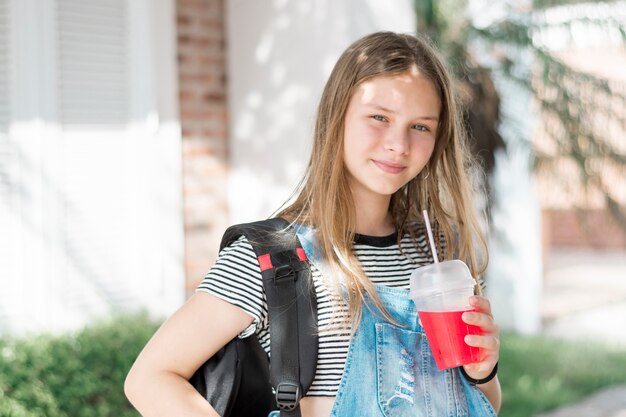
x: 387, y: 191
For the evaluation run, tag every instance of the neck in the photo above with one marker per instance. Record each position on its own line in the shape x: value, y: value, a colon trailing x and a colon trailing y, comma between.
x: 372, y: 216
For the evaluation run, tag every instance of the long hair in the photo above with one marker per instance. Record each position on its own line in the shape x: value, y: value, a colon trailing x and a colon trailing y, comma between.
x: 324, y: 200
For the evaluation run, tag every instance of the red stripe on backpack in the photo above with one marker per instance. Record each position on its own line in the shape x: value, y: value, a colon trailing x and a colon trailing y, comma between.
x: 265, y: 262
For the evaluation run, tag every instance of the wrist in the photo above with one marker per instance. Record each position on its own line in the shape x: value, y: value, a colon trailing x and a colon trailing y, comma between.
x: 479, y: 381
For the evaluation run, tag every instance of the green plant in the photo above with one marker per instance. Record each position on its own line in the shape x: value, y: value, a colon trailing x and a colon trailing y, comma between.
x: 538, y: 373
x: 75, y: 375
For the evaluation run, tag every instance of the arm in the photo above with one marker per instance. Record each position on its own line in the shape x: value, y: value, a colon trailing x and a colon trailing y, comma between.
x: 489, y: 342
x: 157, y: 384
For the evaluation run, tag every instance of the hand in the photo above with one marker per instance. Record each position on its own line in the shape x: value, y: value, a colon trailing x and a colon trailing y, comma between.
x: 489, y: 341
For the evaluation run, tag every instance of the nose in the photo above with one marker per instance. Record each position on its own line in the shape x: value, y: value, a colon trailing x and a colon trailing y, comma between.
x: 397, y: 140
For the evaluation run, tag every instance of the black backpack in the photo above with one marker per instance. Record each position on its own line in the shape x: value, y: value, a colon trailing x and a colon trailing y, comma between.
x: 238, y: 380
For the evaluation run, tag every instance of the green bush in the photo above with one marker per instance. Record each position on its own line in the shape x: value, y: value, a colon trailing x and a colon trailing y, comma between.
x: 77, y: 375
x: 538, y: 373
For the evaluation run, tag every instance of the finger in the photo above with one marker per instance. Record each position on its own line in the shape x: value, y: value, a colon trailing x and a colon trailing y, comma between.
x: 482, y: 320
x: 480, y: 303
x: 485, y: 367
x: 489, y: 342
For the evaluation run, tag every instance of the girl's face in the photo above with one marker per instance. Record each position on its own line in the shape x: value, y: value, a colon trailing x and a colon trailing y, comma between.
x: 390, y: 129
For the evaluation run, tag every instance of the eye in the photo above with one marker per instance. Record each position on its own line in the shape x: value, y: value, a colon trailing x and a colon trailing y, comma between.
x: 379, y: 118
x: 421, y: 128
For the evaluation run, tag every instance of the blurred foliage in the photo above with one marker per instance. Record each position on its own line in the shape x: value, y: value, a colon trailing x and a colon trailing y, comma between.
x: 74, y: 375
x: 582, y: 108
x: 449, y: 30
x: 538, y: 374
x: 577, y: 149
x: 544, y: 4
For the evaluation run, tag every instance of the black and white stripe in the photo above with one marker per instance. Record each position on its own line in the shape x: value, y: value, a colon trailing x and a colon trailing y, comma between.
x: 236, y: 278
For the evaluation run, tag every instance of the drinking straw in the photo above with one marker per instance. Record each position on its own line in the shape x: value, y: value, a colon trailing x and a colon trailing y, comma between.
x: 430, y: 236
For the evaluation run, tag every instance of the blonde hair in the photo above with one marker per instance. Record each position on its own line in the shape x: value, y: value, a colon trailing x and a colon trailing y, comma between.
x: 324, y: 200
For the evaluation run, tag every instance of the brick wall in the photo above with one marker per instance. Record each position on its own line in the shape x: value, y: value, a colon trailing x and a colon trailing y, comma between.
x: 202, y: 95
x: 589, y: 228
x: 560, y: 189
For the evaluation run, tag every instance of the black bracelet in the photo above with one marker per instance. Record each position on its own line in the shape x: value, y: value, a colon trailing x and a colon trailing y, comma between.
x: 486, y: 379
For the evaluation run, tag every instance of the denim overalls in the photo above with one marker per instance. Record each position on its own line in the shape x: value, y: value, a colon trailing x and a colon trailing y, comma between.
x: 390, y: 370
x: 397, y: 365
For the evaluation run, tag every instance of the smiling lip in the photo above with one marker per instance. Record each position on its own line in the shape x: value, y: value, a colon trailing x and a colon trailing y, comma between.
x: 389, y: 167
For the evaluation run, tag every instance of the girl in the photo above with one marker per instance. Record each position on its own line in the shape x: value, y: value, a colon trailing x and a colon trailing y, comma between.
x: 388, y: 143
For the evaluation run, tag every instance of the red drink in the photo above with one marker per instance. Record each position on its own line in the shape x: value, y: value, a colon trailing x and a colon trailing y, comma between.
x: 446, y: 332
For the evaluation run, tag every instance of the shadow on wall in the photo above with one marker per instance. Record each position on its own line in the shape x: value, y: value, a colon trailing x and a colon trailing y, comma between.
x: 279, y: 60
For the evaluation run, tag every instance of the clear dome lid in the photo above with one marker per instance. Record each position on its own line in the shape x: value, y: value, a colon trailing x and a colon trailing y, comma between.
x: 440, y: 277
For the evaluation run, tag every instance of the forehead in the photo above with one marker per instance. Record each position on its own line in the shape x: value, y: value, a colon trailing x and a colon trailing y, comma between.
x: 408, y: 88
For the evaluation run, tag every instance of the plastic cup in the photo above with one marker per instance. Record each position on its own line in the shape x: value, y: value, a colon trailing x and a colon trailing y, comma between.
x: 441, y: 292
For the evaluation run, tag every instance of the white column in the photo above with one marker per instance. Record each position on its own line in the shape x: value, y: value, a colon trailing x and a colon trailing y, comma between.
x: 26, y: 132
x: 514, y: 277
x: 155, y: 138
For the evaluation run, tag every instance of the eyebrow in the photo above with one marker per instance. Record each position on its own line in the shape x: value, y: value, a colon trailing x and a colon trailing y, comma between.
x: 385, y: 109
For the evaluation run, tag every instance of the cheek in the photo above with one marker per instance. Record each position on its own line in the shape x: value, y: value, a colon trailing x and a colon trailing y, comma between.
x: 369, y: 138
x: 421, y: 155
x: 424, y: 150
x: 430, y: 149
x: 358, y: 139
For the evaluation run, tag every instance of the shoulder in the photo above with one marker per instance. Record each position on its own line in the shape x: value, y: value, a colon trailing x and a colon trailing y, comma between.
x: 239, y: 249
x: 236, y: 266
x: 235, y: 277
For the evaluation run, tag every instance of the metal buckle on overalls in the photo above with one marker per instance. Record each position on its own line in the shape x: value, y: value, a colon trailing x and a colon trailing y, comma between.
x: 287, y: 396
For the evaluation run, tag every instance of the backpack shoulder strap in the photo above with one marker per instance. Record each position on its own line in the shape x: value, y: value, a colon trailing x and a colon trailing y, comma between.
x: 292, y: 307
x: 260, y: 234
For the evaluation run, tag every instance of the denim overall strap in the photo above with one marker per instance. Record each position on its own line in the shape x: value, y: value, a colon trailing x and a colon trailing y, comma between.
x: 307, y: 238
x: 390, y: 370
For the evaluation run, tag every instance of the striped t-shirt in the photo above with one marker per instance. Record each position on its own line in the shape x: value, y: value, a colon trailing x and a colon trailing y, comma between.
x: 236, y: 278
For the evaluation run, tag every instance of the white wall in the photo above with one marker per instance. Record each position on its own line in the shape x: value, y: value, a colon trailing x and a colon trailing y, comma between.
x: 280, y: 54
x: 93, y: 203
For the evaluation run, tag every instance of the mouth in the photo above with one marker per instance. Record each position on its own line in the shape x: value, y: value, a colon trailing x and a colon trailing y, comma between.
x: 389, y: 167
